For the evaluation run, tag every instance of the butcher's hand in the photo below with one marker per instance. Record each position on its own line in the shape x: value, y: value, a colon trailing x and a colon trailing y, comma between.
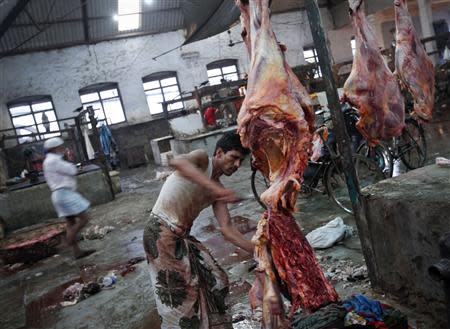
x: 226, y: 195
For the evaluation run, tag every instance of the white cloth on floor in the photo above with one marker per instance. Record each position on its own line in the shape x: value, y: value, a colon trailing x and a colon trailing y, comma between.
x: 443, y: 162
x: 326, y: 236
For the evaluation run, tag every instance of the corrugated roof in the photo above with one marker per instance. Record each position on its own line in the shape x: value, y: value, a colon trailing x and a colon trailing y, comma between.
x: 50, y: 24
x: 59, y: 23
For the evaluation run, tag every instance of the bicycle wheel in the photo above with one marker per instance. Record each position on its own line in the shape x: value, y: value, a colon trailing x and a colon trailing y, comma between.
x: 259, y: 185
x: 368, y: 172
x: 412, y: 146
x: 381, y: 155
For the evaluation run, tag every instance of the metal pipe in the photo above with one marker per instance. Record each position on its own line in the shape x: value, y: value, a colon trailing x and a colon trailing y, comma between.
x: 339, y: 130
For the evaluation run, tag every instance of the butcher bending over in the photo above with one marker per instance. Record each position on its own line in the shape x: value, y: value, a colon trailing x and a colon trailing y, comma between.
x: 189, y: 286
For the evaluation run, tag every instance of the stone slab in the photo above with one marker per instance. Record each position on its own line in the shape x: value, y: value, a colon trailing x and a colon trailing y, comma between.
x: 406, y: 216
x: 32, y: 205
x: 206, y: 141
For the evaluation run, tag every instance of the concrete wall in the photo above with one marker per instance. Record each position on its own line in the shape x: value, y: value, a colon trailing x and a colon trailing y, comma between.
x: 61, y: 73
x: 33, y: 205
x: 134, y: 141
x: 406, y: 216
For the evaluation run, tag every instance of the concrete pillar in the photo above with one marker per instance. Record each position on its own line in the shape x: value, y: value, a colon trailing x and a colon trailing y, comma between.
x: 426, y: 22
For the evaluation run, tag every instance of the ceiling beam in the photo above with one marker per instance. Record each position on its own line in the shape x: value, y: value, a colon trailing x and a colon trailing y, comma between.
x: 78, y: 43
x: 84, y: 13
x: 18, y: 8
x: 32, y: 20
x: 93, y: 18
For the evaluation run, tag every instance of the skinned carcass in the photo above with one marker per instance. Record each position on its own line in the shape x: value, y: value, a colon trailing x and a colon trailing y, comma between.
x: 412, y: 64
x: 276, y: 123
x: 371, y: 87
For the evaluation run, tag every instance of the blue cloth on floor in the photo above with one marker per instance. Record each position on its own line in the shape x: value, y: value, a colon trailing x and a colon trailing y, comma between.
x: 368, y: 308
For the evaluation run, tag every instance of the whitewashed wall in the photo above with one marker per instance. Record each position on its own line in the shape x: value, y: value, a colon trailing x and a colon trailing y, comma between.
x: 61, y: 73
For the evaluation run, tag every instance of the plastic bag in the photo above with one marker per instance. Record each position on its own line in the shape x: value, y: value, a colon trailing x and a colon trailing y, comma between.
x: 326, y: 236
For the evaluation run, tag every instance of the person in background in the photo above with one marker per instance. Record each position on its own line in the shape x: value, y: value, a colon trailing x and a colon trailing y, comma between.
x: 210, y: 117
x: 61, y: 179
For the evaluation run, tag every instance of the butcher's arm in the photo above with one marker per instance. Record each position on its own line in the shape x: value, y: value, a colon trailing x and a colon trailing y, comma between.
x: 193, y: 167
x: 228, y: 230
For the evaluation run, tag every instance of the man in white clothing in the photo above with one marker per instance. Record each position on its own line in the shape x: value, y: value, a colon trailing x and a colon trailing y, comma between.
x: 61, y: 179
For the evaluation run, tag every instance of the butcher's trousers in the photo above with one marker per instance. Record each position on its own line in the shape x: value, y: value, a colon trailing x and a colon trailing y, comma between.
x: 189, y: 286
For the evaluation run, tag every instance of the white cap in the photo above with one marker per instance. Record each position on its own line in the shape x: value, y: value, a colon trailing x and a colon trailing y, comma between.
x: 53, y: 142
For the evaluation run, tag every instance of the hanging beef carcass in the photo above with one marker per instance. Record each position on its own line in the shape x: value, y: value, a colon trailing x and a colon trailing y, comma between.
x: 371, y: 86
x: 275, y: 122
x: 413, y: 66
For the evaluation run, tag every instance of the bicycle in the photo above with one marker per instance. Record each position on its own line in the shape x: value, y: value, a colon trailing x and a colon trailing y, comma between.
x: 327, y: 176
x: 410, y: 147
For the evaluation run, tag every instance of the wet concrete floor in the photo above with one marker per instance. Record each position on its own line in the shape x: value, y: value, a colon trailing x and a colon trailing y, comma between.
x: 31, y: 295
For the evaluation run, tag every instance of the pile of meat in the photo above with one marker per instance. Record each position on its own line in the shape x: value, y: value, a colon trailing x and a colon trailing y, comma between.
x: 374, y: 89
x: 275, y: 122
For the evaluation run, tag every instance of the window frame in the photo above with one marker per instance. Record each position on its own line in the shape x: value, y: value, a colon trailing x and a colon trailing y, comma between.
x: 98, y: 88
x: 220, y: 64
x: 316, y: 60
x: 30, y: 101
x: 158, y: 76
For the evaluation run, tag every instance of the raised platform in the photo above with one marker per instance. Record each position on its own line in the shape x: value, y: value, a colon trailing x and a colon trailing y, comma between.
x: 26, y: 204
x: 406, y: 216
x: 206, y: 141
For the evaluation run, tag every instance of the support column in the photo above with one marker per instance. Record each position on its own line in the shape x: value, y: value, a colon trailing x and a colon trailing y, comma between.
x: 342, y: 137
x: 426, y: 22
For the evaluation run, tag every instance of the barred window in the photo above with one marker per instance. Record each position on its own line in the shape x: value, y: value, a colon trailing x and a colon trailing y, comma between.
x: 106, y: 101
x: 225, y: 69
x: 34, y: 118
x: 162, y: 87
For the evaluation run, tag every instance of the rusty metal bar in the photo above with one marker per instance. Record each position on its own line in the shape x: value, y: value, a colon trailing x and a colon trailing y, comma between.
x: 101, y: 155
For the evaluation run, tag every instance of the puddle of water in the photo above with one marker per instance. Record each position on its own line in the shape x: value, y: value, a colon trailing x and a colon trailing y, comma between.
x: 91, y: 272
x: 39, y: 312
